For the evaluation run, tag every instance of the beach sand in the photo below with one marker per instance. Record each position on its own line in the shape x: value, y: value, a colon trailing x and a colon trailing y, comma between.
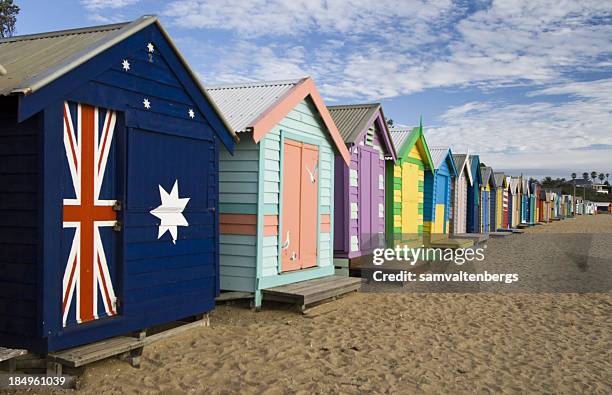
x: 402, y: 342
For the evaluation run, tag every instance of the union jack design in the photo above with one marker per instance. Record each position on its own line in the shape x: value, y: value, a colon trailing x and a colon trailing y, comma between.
x: 87, y: 150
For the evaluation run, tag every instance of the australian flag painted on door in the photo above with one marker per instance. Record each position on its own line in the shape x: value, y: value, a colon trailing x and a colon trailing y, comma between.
x: 89, y: 218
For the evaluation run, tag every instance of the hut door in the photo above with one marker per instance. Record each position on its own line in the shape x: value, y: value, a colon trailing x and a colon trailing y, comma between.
x: 368, y: 198
x: 410, y: 199
x: 91, y: 235
x: 300, y: 205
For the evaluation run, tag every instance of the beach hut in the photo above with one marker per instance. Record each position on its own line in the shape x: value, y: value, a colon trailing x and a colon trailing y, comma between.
x: 514, y: 201
x: 276, y: 193
x: 525, y: 196
x: 437, y: 197
x: 487, y: 203
x: 501, y: 202
x: 108, y: 185
x: 534, y: 202
x: 359, y: 191
x: 474, y: 211
x: 544, y: 206
x: 405, y: 181
x: 461, y: 183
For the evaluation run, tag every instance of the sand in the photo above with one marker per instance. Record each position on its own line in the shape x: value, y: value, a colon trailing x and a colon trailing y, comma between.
x: 400, y: 342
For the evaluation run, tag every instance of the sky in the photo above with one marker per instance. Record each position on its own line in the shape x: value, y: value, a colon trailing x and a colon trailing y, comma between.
x: 527, y: 85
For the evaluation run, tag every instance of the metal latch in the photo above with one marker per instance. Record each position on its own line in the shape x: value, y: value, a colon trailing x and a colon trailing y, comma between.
x: 117, y: 206
x: 118, y: 226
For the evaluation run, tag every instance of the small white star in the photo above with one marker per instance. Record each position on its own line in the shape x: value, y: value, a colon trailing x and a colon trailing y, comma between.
x: 126, y: 64
x: 191, y: 113
x: 146, y: 103
x: 150, y: 47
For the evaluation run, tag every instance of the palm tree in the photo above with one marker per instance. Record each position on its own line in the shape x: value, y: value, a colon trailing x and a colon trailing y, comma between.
x: 585, y: 175
x: 607, y: 176
x: 593, y: 175
x: 601, y: 177
x: 574, y: 175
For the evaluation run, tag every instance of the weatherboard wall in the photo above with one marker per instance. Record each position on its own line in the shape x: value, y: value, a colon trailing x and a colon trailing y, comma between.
x: 405, y: 186
x: 20, y: 170
x: 437, y: 200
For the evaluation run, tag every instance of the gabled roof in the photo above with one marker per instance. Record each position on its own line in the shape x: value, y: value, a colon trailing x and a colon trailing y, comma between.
x: 353, y: 120
x: 474, y: 163
x: 513, y: 184
x: 36, y: 60
x: 487, y: 176
x: 462, y: 163
x: 258, y: 106
x: 441, y: 154
x: 405, y: 139
x: 526, y: 189
x: 500, y: 179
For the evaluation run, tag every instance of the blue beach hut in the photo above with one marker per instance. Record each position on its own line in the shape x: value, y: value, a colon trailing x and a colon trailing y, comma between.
x: 108, y: 186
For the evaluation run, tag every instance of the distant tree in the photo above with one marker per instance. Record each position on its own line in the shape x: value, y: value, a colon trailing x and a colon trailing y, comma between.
x: 607, y: 176
x: 8, y: 18
x: 601, y: 177
x: 390, y: 122
x: 585, y: 175
x: 593, y: 175
x: 574, y: 175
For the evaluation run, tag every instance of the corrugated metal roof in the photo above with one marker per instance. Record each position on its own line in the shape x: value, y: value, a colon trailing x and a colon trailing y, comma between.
x: 486, y: 173
x: 459, y: 160
x: 33, y: 61
x: 438, y: 155
x: 35, y: 58
x: 352, y: 119
x: 242, y: 104
x: 499, y: 178
x: 400, y: 136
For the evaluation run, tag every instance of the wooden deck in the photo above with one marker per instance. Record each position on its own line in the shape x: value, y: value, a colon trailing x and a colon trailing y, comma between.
x: 307, y: 293
x: 475, y: 237
x: 500, y: 234
x: 8, y: 355
x: 128, y: 348
x: 452, y: 243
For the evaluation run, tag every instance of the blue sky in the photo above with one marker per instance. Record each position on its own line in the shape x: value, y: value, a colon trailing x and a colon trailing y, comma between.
x: 526, y: 84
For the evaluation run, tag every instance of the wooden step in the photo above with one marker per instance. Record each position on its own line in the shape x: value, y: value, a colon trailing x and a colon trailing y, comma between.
x: 305, y: 293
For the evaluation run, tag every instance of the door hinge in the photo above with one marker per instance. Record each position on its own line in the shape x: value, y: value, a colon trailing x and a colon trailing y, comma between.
x: 118, y: 226
x: 117, y: 206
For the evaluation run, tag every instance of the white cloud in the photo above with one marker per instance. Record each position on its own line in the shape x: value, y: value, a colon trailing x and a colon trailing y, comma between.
x: 103, y: 4
x: 392, y: 48
x: 543, y: 134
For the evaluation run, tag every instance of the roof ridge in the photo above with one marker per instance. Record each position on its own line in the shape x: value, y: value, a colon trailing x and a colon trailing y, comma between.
x: 67, y: 32
x: 366, y: 105
x: 255, y: 84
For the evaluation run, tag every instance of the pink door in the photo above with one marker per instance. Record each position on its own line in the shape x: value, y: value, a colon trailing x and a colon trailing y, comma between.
x: 300, y: 206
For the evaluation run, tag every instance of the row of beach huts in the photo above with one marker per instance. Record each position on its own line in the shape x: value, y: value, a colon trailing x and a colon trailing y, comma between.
x: 132, y: 196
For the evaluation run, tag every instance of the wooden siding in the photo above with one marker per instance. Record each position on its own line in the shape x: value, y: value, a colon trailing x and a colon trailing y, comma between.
x: 405, y: 180
x: 238, y: 198
x: 19, y: 220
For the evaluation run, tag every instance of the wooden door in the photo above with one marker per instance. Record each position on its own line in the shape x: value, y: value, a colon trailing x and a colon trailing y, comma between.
x: 410, y: 201
x: 299, y: 205
x: 368, y: 198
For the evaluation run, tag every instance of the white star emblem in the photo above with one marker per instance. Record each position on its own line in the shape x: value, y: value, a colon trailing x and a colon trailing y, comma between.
x: 150, y: 47
x: 170, y: 212
x: 126, y: 64
x: 146, y: 103
x: 191, y: 113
